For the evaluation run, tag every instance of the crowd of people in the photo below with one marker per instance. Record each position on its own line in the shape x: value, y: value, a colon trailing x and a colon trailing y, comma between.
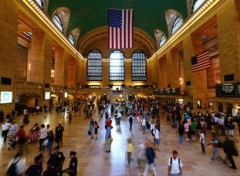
x: 147, y: 114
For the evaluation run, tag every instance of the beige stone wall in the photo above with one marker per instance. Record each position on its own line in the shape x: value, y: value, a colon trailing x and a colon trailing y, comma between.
x: 175, y: 69
x: 8, y: 48
x: 60, y: 56
x: 227, y: 37
x: 228, y: 41
x: 71, y: 72
x: 162, y: 78
x: 128, y: 71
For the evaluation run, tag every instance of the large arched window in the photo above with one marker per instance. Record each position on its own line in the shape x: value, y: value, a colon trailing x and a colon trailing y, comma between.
x: 196, y: 4
x: 139, y: 67
x: 94, y: 67
x: 177, y: 22
x: 73, y: 36
x: 40, y: 3
x: 117, y: 67
x: 71, y: 39
x: 57, y: 20
x: 174, y: 20
x: 163, y: 39
x: 61, y: 18
x: 160, y: 37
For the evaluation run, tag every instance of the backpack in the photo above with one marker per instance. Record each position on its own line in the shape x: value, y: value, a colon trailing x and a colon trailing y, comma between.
x: 171, y: 162
x: 12, y: 170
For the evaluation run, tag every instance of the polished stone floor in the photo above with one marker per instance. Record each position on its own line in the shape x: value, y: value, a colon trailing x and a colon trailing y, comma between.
x: 94, y: 161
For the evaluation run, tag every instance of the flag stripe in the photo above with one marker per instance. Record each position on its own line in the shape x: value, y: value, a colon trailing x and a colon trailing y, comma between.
x: 131, y: 28
x: 201, y: 62
x: 120, y: 28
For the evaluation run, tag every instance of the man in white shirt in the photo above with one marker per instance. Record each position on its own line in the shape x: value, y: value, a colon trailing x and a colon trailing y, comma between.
x: 43, y: 136
x: 202, y: 142
x: 13, y: 129
x: 5, y: 128
x: 143, y: 124
x: 156, y: 136
x: 174, y: 165
x: 119, y: 116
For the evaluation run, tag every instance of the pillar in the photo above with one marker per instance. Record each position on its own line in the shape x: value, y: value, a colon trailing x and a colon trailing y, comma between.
x: 39, y: 60
x: 71, y: 72
x: 162, y: 78
x: 128, y: 71
x: 60, y: 56
x: 8, y: 49
x: 169, y: 68
x: 228, y: 41
x: 188, y: 53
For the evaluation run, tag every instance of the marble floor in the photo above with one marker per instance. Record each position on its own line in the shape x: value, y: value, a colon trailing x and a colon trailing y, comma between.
x: 94, y: 161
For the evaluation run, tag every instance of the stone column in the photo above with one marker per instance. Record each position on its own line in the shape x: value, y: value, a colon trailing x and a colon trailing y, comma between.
x: 105, y: 76
x: 153, y: 73
x: 128, y: 71
x: 39, y: 61
x: 71, y: 81
x: 59, y: 78
x: 162, y: 78
x: 228, y: 38
x: 175, y: 68
x: 80, y: 80
x: 169, y: 69
x: 187, y: 67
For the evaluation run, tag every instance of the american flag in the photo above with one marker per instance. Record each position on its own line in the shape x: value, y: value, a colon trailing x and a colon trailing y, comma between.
x: 120, y: 28
x: 200, y: 62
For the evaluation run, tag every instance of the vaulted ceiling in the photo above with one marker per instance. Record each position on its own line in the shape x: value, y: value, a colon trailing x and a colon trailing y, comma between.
x: 88, y: 15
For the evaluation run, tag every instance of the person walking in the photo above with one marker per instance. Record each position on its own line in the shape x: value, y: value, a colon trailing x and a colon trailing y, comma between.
x: 216, y: 143
x: 202, y: 142
x: 91, y: 128
x: 143, y: 121
x: 150, y: 156
x: 119, y: 116
x: 180, y: 133
x: 230, y: 150
x: 130, y: 119
x: 140, y: 154
x: 175, y: 165
x: 59, y: 135
x: 156, y: 137
x: 43, y: 136
x: 16, y: 165
x: 107, y: 139
x: 129, y: 151
x: 50, y: 138
x: 96, y: 127
x: 5, y: 129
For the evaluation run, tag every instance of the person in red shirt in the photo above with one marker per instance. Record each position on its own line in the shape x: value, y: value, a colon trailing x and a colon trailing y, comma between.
x: 108, y: 123
x: 21, y: 136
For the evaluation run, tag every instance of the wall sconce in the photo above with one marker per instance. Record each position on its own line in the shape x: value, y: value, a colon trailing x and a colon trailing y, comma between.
x: 52, y: 74
x: 180, y: 80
